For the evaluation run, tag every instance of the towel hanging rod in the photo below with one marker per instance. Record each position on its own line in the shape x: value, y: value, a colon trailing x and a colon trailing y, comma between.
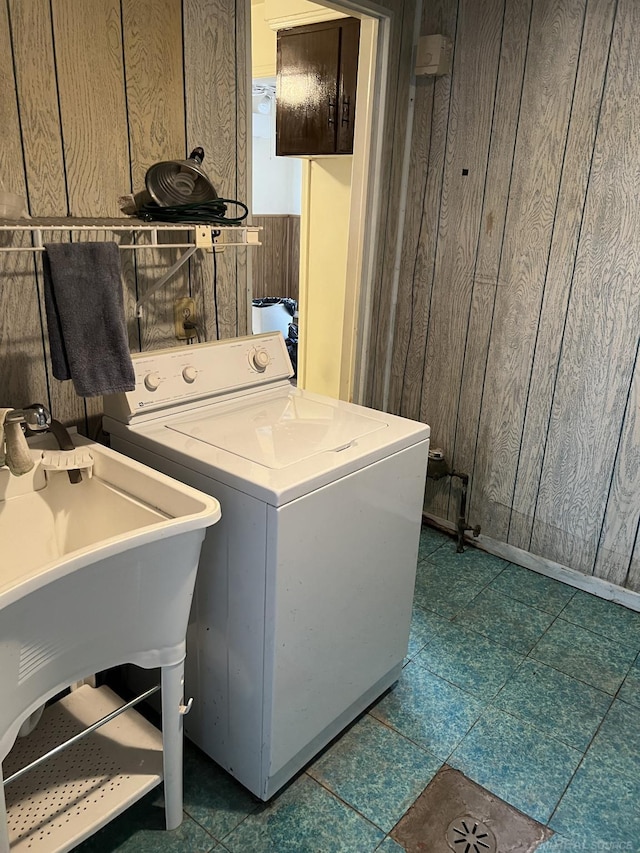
x: 132, y: 246
x: 203, y: 236
x: 206, y: 237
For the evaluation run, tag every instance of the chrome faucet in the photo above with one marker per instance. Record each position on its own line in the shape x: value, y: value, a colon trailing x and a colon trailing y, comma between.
x: 35, y: 418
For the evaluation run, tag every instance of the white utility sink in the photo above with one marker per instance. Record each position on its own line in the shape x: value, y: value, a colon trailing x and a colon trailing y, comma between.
x: 93, y: 575
x: 49, y: 526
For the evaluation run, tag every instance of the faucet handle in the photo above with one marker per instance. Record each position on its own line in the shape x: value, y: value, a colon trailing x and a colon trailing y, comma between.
x: 36, y: 417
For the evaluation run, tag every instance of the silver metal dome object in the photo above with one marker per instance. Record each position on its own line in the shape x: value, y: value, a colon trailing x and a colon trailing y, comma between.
x: 180, y: 181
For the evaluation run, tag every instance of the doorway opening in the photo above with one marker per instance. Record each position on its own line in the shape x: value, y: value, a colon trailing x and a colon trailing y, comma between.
x: 337, y: 204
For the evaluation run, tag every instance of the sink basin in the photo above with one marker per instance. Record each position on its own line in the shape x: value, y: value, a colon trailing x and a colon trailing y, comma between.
x: 50, y: 527
x: 92, y: 574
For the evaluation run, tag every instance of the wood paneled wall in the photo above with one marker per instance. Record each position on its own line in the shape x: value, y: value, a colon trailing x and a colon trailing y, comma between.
x: 91, y: 95
x: 276, y: 267
x: 518, y: 316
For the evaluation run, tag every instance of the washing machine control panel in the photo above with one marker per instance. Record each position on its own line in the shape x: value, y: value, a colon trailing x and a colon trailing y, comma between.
x: 175, y: 377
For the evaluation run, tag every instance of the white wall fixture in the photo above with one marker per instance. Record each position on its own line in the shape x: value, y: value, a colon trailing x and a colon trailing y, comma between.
x: 434, y: 56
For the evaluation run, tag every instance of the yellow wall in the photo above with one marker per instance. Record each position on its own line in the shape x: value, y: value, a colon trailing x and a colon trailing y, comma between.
x: 326, y: 201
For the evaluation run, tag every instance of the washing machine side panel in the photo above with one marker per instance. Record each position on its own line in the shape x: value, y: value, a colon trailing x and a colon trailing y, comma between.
x: 340, y: 578
x: 224, y: 668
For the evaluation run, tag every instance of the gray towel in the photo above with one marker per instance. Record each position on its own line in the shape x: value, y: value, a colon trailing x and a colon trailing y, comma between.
x: 85, y: 317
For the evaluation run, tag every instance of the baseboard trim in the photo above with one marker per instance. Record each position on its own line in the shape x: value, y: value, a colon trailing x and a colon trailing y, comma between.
x: 588, y: 583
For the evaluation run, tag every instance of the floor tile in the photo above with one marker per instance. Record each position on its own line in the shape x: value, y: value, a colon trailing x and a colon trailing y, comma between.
x: 375, y: 770
x: 554, y: 703
x: 424, y: 626
x: 505, y: 620
x: 428, y: 710
x: 441, y: 590
x: 599, y: 809
x: 605, y: 618
x: 617, y: 743
x: 472, y: 564
x: 140, y: 829
x: 512, y: 760
x: 630, y: 690
x: 304, y: 818
x: 469, y: 660
x: 533, y: 589
x: 560, y: 844
x: 389, y: 846
x: 430, y: 541
x: 587, y: 656
x: 212, y: 797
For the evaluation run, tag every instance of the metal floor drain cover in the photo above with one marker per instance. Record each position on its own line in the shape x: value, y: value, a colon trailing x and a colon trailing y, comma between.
x: 454, y: 813
x: 469, y: 835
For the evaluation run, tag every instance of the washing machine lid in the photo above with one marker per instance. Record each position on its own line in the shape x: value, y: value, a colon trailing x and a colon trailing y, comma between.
x: 278, y: 432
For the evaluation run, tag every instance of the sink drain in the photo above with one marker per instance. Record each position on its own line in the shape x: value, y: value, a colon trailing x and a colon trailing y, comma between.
x: 468, y: 835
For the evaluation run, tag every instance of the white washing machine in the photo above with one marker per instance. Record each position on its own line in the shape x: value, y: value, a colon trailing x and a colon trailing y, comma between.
x: 303, y: 598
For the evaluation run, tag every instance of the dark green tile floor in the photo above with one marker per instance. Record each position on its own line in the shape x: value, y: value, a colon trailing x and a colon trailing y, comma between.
x: 529, y: 687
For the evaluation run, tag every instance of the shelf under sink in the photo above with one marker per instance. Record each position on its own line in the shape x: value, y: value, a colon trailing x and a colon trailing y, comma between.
x: 58, y: 804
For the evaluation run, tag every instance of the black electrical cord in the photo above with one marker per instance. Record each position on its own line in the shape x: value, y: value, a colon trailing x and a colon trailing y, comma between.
x: 188, y: 326
x: 200, y: 213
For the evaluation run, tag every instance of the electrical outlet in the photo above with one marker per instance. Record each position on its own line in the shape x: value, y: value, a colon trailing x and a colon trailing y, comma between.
x: 217, y: 238
x: 184, y: 309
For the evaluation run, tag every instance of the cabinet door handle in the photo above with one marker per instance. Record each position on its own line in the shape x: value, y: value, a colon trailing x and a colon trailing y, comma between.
x: 346, y: 105
x: 332, y: 112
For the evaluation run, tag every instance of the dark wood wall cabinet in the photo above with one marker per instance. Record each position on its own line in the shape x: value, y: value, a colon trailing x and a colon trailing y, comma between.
x: 317, y: 67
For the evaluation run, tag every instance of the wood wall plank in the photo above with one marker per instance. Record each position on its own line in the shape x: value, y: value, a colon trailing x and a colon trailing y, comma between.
x: 622, y: 516
x: 211, y: 97
x: 568, y: 220
x: 411, y: 286
x: 152, y: 34
x: 633, y: 576
x: 595, y: 371
x: 392, y: 147
x: 293, y: 239
x: 39, y: 114
x: 154, y: 83
x: 552, y: 57
x: 91, y: 93
x: 429, y: 133
x: 270, y: 271
x: 276, y: 265
x: 23, y: 377
x: 44, y: 166
x: 92, y: 104
x: 470, y: 119
x: 496, y: 194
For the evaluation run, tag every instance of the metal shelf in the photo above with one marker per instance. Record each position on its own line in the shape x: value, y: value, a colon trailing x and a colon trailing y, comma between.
x: 55, y: 806
x: 200, y: 235
x: 208, y: 237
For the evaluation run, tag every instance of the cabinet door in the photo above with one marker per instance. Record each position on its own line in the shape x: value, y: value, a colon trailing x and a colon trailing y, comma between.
x: 307, y: 90
x: 349, y: 45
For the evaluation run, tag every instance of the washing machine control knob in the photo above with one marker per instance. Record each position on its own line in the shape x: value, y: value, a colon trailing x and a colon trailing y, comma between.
x: 260, y: 360
x: 189, y: 374
x: 152, y: 381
